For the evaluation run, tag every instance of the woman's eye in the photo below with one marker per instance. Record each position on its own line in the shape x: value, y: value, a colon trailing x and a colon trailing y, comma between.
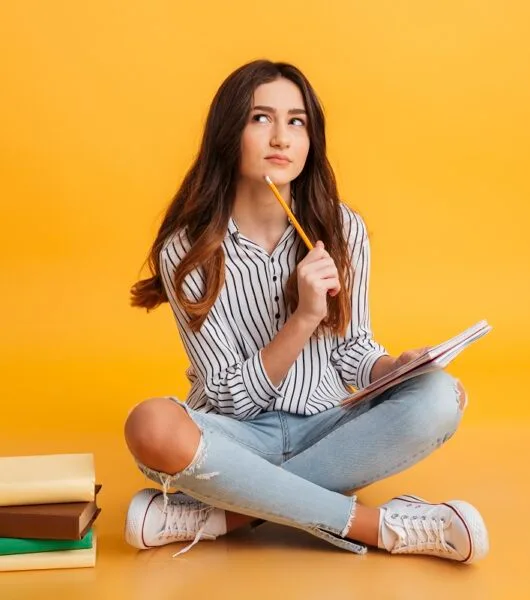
x: 300, y: 122
x: 262, y: 118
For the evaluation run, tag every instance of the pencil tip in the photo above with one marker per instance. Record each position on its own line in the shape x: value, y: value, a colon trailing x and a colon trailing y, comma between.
x: 267, y: 178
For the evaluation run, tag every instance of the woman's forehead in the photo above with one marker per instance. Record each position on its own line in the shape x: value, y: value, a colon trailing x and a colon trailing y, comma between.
x: 281, y: 94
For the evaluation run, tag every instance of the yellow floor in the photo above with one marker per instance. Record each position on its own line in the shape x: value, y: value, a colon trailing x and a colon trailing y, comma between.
x: 483, y: 464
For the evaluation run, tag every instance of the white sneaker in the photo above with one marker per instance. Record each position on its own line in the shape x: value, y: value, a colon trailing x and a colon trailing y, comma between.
x: 184, y: 519
x: 453, y: 530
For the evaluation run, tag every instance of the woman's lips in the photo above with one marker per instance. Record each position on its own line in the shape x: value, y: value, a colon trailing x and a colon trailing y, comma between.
x: 278, y: 161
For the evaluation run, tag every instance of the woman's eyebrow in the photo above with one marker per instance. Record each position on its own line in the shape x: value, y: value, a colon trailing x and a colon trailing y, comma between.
x: 292, y: 111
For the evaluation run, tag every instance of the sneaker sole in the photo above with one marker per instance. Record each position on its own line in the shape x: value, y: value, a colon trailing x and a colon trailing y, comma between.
x: 473, y: 521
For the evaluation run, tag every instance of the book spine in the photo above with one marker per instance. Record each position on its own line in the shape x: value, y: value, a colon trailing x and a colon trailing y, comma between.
x: 30, y: 526
x: 47, y: 492
x: 29, y: 546
x: 60, y: 559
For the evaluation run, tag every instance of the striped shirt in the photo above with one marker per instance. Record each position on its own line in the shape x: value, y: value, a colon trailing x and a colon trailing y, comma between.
x: 227, y: 375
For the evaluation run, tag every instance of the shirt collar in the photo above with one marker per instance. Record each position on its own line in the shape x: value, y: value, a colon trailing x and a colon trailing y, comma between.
x: 232, y: 228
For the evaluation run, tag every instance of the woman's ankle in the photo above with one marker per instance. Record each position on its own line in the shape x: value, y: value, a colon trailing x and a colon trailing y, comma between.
x: 236, y: 520
x: 365, y: 525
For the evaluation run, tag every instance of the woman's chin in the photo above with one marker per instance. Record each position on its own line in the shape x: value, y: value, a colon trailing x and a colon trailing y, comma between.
x: 278, y: 177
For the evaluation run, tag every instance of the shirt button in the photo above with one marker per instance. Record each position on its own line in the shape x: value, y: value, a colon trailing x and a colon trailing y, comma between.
x: 277, y: 315
x: 276, y: 298
x: 274, y: 278
x: 272, y: 260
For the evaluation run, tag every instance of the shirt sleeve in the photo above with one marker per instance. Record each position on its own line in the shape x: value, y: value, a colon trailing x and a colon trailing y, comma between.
x: 356, y: 352
x: 236, y: 386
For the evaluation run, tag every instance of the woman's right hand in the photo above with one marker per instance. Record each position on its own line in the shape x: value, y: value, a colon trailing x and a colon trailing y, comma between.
x: 317, y: 276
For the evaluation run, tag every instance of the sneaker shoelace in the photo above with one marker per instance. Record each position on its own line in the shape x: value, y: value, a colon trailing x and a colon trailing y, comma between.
x: 182, y: 521
x: 420, y: 534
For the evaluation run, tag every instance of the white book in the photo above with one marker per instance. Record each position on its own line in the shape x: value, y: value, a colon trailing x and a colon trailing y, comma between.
x: 46, y: 479
x: 58, y: 559
x: 434, y: 358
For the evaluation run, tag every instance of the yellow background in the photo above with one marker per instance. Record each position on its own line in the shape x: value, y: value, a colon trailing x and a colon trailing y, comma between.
x: 102, y: 105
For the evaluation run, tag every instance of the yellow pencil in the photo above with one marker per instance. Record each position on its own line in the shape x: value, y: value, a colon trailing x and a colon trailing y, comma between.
x: 289, y: 213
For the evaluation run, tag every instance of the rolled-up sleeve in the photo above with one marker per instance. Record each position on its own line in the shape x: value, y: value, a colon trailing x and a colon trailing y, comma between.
x: 236, y: 386
x: 356, y: 352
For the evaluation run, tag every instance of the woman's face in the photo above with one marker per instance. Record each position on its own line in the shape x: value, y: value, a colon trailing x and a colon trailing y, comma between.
x: 275, y: 140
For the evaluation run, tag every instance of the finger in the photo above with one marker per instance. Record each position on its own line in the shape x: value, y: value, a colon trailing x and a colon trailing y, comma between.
x: 412, y: 354
x: 407, y: 356
x: 321, y: 264
x: 314, y: 255
x: 415, y: 352
x: 319, y: 252
x: 316, y: 273
x: 332, y: 284
x: 333, y: 292
x: 324, y: 288
x: 322, y: 267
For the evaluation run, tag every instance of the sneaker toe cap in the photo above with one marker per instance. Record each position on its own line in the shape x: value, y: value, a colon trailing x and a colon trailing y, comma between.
x: 471, y: 538
x: 138, y: 517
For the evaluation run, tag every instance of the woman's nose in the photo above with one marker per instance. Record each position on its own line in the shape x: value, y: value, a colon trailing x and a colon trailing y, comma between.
x: 280, y: 137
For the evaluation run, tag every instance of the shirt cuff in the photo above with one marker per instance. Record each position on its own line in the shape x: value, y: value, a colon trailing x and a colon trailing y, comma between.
x: 260, y: 387
x: 365, y: 366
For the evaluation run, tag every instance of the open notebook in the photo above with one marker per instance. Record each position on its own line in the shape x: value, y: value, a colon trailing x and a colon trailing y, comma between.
x: 436, y: 357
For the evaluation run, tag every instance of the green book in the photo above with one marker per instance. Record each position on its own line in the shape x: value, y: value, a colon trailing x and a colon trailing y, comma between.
x: 29, y: 546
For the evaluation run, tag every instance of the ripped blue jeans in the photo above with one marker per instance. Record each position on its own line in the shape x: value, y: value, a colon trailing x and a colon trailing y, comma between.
x: 295, y: 470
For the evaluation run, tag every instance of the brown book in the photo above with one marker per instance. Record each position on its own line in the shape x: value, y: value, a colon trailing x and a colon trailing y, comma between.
x: 62, y: 521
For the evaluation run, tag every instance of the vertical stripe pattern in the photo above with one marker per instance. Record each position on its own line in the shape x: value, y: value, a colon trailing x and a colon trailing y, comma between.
x: 226, y: 372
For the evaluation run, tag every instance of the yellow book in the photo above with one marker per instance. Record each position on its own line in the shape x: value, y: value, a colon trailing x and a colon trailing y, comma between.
x: 59, y: 559
x: 46, y: 479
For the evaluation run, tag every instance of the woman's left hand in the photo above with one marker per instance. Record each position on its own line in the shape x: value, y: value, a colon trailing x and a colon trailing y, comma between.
x: 408, y: 356
x: 386, y: 364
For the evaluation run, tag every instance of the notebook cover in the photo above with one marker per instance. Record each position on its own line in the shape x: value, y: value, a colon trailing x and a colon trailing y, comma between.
x: 28, y: 546
x: 46, y: 479
x: 62, y: 521
x: 59, y: 559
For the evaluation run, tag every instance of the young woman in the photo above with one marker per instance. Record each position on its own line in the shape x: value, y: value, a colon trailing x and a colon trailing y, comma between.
x: 276, y: 335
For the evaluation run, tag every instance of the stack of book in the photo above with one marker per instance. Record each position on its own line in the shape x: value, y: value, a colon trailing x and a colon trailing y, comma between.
x: 47, y: 512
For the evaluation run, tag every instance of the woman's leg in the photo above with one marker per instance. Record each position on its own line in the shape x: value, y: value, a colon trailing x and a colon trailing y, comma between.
x: 192, y: 455
x: 407, y: 424
x: 227, y: 475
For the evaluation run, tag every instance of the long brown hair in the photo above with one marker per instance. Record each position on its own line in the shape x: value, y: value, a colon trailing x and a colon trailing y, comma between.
x: 203, y: 204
